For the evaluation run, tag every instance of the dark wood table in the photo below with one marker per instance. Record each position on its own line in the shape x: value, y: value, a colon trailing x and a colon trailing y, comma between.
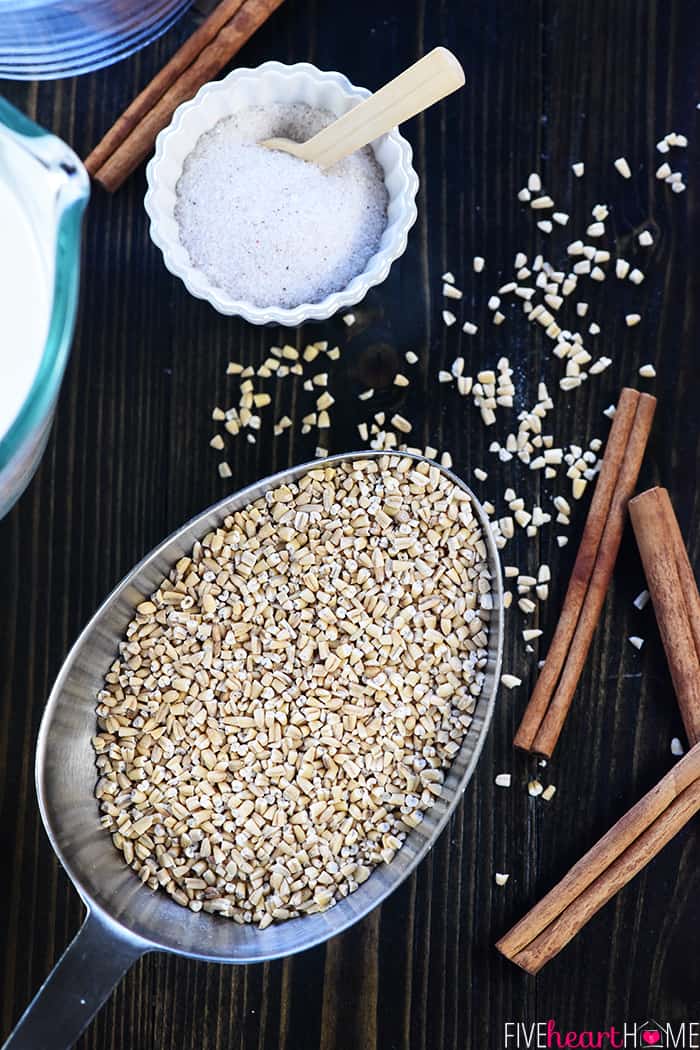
x: 128, y: 461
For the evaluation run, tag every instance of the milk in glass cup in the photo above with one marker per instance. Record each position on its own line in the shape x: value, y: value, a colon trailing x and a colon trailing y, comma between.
x: 43, y: 192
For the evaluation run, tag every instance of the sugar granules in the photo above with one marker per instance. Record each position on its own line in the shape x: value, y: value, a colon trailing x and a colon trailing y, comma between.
x: 271, y: 229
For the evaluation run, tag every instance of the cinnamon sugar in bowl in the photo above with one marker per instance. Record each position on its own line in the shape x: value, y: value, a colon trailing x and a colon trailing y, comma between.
x: 263, y: 235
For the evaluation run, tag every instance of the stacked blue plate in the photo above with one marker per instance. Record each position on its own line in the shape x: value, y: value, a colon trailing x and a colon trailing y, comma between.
x: 44, y: 39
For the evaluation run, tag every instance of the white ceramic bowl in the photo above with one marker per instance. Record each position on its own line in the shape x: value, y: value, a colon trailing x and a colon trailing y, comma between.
x: 274, y: 82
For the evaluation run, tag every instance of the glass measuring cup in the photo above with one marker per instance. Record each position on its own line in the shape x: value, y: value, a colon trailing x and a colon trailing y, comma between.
x: 43, y: 192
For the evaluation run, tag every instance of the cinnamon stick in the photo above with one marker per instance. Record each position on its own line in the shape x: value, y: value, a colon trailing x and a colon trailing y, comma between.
x: 553, y: 721
x: 608, y: 866
x: 551, y: 699
x: 685, y: 570
x: 583, y: 568
x: 163, y: 80
x: 675, y: 597
x: 139, y: 142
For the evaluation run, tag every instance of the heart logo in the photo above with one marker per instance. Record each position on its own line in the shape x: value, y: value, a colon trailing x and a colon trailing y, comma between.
x: 651, y: 1038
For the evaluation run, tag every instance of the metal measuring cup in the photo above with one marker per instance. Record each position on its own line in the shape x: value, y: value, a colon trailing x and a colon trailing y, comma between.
x: 124, y: 919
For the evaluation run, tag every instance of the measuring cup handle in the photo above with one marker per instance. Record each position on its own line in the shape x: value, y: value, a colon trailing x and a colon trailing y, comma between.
x: 76, y: 988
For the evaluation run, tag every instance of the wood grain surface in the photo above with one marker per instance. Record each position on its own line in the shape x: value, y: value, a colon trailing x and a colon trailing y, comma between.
x: 548, y: 83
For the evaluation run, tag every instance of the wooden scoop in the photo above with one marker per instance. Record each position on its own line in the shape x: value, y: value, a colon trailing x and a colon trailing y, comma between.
x: 427, y: 81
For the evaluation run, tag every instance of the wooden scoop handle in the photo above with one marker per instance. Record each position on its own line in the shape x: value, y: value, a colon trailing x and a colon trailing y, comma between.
x: 427, y: 81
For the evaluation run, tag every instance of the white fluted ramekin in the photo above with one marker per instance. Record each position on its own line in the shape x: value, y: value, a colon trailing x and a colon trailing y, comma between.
x: 274, y: 82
